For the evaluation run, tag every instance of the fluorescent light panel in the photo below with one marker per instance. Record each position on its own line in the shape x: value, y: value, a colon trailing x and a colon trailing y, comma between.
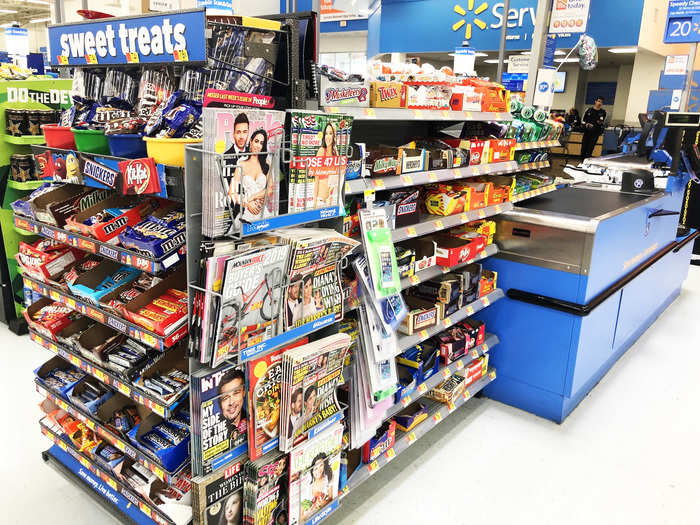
x: 620, y: 50
x: 566, y: 60
x: 40, y: 2
x: 494, y: 61
x: 39, y: 20
x: 8, y: 11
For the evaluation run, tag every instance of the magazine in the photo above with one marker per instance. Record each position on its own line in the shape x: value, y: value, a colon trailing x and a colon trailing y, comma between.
x: 250, y: 300
x: 218, y: 498
x: 264, y: 398
x: 265, y: 490
x: 320, y: 147
x: 315, y: 288
x: 314, y: 473
x: 310, y: 376
x: 250, y: 188
x: 220, y: 420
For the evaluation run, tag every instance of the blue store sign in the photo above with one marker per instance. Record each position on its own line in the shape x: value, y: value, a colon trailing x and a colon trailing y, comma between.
x: 442, y: 25
x: 171, y: 37
x: 682, y: 22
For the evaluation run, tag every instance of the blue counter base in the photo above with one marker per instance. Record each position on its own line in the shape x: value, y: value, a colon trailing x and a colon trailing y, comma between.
x: 555, y: 407
x: 110, y: 500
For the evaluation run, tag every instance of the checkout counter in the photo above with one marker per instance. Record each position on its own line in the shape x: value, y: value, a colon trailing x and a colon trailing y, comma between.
x: 586, y: 270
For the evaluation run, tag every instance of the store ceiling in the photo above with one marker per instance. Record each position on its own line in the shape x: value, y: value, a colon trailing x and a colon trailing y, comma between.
x: 25, y: 11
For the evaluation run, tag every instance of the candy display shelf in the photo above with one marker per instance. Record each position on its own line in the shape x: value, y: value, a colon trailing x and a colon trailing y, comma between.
x: 537, y: 145
x: 534, y: 193
x: 436, y: 271
x: 105, y: 249
x: 24, y: 140
x: 359, y: 186
x: 407, y: 341
x: 117, y: 323
x: 437, y: 412
x: 438, y: 223
x: 111, y: 438
x: 88, y: 461
x: 121, y: 385
x: 416, y: 114
x: 444, y: 373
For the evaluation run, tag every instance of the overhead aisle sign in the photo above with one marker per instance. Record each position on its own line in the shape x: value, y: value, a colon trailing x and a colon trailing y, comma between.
x: 153, y: 39
x: 682, y: 22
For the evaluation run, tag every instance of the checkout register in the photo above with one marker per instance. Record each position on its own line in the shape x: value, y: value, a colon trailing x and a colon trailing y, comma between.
x: 586, y: 270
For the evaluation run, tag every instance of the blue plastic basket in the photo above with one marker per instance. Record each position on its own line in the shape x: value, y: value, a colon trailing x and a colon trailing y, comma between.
x: 131, y: 146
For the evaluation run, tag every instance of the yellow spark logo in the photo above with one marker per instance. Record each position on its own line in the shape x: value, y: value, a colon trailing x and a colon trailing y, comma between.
x: 477, y: 22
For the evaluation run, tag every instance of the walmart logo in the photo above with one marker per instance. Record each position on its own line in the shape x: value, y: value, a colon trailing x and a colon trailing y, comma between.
x: 477, y: 21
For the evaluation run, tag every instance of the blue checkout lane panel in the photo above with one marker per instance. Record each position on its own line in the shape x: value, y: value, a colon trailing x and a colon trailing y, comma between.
x: 102, y: 489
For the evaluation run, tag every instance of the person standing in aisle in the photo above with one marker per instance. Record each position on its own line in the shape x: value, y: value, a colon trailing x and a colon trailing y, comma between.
x: 593, y: 127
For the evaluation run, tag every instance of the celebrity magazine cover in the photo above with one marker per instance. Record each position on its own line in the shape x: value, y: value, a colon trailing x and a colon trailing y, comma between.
x: 311, y: 374
x: 220, y: 419
x: 314, y: 474
x: 265, y: 490
x: 320, y: 147
x: 250, y: 300
x: 217, y: 499
x: 251, y: 179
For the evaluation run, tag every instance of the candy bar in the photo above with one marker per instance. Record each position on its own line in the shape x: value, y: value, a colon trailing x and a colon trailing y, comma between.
x: 155, y: 442
x: 109, y: 453
x: 172, y: 434
x: 158, y: 387
x: 180, y: 422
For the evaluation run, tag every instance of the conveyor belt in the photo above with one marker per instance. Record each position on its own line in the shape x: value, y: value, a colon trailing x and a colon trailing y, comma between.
x: 582, y: 202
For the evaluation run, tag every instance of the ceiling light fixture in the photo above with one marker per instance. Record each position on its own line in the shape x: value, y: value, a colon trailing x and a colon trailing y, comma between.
x: 41, y: 2
x: 494, y: 61
x: 9, y: 24
x: 8, y: 11
x: 40, y: 20
x: 620, y: 50
x: 481, y: 55
x: 566, y: 60
x: 559, y: 53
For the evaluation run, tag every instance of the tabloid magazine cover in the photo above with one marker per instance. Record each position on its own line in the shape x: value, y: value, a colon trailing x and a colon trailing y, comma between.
x: 311, y: 374
x: 265, y: 490
x: 320, y: 146
x: 314, y: 474
x: 217, y: 499
x: 315, y: 285
x: 220, y: 419
x: 250, y: 295
x: 264, y: 399
x: 251, y: 179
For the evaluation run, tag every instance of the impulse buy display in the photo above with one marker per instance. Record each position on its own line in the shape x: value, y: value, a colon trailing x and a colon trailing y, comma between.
x: 283, y: 418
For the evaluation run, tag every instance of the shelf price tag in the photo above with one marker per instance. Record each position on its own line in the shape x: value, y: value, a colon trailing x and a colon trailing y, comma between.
x: 438, y: 225
x: 148, y: 339
x: 451, y: 407
x: 90, y: 424
x: 62, y: 445
x: 390, y: 454
x: 120, y: 445
x: 446, y: 373
x: 74, y: 360
x: 432, y: 177
x: 159, y: 472
x: 62, y: 60
x: 53, y: 294
x: 468, y: 115
x: 423, y: 334
x: 460, y: 364
x: 99, y: 374
x: 373, y: 467
x: 437, y: 417
x: 411, y: 437
x: 369, y: 112
x: 378, y: 184
x: 332, y: 109
x: 112, y: 483
x: 417, y: 113
x: 411, y: 232
x: 158, y: 410
x: 498, y: 116
x: 422, y: 388
x: 180, y: 55
x: 124, y: 389
x: 347, y: 187
x: 482, y: 214
x: 85, y: 463
x: 485, y: 348
x: 475, y: 353
x: 406, y: 401
x: 498, y: 208
x: 132, y: 58
x: 470, y: 310
x: 492, y: 374
x: 466, y: 395
x: 70, y: 303
x: 91, y: 58
x: 406, y: 180
x: 485, y: 301
x: 414, y: 279
x: 464, y: 218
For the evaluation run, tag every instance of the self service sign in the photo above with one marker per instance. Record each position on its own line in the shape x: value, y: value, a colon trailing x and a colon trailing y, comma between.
x: 683, y: 22
x: 172, y: 37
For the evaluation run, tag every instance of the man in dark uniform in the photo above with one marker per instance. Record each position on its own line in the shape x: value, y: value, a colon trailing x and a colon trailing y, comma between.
x: 594, y: 125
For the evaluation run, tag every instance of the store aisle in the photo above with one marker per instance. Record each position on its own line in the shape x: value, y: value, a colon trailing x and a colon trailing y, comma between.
x: 628, y: 453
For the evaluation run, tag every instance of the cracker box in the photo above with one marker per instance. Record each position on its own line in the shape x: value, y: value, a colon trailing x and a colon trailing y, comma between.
x: 387, y: 95
x: 336, y: 93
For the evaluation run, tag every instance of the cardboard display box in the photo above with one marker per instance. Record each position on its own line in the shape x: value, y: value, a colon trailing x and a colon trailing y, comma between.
x: 336, y: 93
x: 387, y: 95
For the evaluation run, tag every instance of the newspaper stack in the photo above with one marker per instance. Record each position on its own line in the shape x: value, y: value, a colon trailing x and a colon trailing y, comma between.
x: 242, y: 186
x: 310, y: 376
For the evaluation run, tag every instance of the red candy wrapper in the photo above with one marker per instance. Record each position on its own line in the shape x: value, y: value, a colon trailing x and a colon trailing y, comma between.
x: 139, y: 177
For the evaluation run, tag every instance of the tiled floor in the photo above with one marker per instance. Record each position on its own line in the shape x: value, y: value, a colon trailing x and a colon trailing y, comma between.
x: 627, y: 455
